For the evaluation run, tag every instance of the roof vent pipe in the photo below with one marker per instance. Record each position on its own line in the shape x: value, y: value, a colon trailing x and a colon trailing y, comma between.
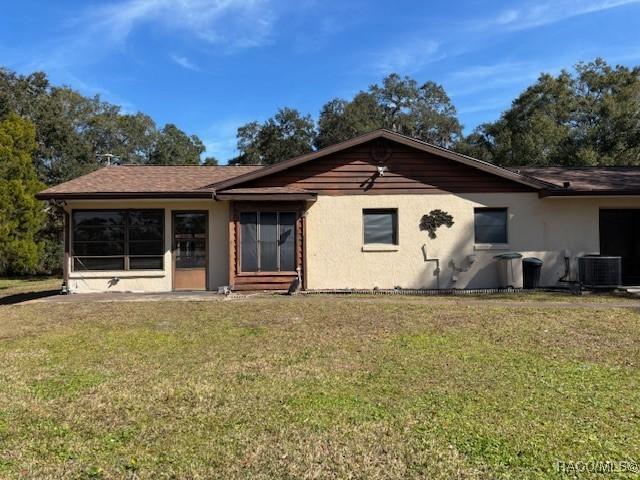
x: 566, y: 184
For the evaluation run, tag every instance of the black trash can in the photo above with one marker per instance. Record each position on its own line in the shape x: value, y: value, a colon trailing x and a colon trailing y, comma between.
x: 531, y: 267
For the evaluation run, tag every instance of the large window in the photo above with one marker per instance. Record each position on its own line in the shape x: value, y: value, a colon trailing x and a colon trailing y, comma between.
x: 118, y: 239
x: 490, y: 225
x: 267, y: 241
x: 380, y: 226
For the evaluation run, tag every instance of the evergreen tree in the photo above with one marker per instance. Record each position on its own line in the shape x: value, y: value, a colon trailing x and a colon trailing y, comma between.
x: 21, y: 215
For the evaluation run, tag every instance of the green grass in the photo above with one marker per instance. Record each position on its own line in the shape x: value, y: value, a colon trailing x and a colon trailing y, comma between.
x: 19, y: 285
x: 317, y: 387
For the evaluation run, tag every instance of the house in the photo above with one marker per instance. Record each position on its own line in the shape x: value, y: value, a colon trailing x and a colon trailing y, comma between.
x: 347, y: 216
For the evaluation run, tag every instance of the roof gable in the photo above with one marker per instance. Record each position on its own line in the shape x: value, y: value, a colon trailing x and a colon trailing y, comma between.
x: 428, y: 154
x: 412, y: 166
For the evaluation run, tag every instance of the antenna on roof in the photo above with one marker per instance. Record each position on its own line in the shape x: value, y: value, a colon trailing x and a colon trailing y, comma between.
x: 109, y: 158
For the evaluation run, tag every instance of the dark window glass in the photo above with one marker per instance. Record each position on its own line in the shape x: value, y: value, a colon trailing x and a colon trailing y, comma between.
x: 268, y: 241
x: 146, y: 225
x: 84, y: 233
x: 98, y: 249
x: 104, y: 263
x: 249, y: 241
x: 145, y: 263
x: 190, y: 223
x: 490, y: 225
x: 146, y: 248
x: 287, y: 241
x: 380, y: 226
x: 98, y: 218
x: 104, y: 233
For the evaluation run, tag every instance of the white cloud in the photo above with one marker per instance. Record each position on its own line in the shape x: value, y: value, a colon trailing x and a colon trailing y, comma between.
x: 235, y: 23
x: 407, y: 58
x: 184, y: 62
x: 537, y: 14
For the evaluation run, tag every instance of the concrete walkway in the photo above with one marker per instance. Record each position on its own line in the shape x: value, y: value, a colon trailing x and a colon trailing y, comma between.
x: 54, y: 297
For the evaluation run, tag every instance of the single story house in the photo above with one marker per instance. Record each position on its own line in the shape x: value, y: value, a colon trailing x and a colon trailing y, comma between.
x: 347, y: 216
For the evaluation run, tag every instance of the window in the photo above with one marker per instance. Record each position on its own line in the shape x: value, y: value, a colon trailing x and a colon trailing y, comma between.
x: 118, y: 239
x: 380, y: 226
x: 267, y: 241
x: 490, y: 225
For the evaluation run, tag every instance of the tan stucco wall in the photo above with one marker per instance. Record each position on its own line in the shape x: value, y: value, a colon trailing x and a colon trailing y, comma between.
x: 543, y: 228
x: 154, y: 280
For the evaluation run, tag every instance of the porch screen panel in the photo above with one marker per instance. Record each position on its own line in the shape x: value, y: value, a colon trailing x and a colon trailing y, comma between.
x: 287, y: 241
x: 146, y: 239
x: 268, y: 241
x: 98, y: 240
x: 118, y: 239
x: 249, y: 241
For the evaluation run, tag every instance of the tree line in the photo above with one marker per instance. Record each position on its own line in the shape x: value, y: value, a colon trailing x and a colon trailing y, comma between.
x: 49, y: 134
x: 588, y: 116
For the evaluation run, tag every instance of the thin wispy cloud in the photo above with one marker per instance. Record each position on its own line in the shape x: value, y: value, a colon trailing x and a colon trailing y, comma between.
x: 478, y: 78
x: 537, y: 14
x: 184, y: 62
x: 237, y: 23
x: 410, y: 57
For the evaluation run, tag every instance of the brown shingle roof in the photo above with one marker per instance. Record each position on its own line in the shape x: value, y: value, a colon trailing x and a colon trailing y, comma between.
x: 584, y: 180
x: 146, y: 180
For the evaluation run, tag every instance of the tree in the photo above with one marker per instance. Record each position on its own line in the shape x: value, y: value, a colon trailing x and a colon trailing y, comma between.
x: 287, y: 134
x: 341, y: 120
x: 399, y: 104
x: 174, y: 147
x: 21, y: 215
x: 71, y: 130
x: 210, y: 161
x: 589, y: 118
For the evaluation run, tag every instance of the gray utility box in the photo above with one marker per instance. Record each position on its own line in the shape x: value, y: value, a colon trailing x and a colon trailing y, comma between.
x: 509, y: 269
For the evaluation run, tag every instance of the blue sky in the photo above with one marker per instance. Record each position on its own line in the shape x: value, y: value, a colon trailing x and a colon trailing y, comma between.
x: 212, y: 65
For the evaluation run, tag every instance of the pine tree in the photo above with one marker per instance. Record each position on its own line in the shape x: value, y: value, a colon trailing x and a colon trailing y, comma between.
x: 21, y: 215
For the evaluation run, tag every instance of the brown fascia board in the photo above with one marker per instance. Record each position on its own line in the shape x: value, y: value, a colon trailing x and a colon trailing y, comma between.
x: 388, y: 135
x: 266, y: 196
x: 119, y: 195
x: 559, y: 192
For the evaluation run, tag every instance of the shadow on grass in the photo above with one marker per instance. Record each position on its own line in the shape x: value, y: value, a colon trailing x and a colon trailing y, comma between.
x: 26, y: 296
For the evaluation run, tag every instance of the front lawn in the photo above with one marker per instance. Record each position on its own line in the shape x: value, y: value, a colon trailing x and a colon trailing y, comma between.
x: 24, y: 285
x: 318, y: 387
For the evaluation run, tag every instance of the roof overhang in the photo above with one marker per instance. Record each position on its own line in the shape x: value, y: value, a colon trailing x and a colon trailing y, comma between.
x: 121, y: 195
x: 565, y: 193
x: 395, y: 137
x: 273, y: 197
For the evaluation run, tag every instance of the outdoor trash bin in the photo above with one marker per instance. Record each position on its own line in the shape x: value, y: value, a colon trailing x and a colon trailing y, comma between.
x: 509, y: 270
x: 531, y: 268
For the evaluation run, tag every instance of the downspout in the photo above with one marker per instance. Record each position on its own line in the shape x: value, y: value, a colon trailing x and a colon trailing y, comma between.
x: 436, y: 261
x: 567, y: 268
